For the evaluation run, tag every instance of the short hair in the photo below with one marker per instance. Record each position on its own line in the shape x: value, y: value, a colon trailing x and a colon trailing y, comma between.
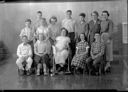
x: 28, y: 20
x: 24, y: 36
x: 63, y: 28
x: 97, y: 34
x: 105, y: 11
x: 43, y: 19
x: 69, y: 11
x: 53, y: 17
x: 82, y: 14
x: 39, y: 12
x: 95, y: 12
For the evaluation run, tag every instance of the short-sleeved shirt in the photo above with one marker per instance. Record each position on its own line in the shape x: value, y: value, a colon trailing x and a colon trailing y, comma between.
x: 97, y: 47
x: 28, y: 32
x: 69, y: 24
x: 82, y: 46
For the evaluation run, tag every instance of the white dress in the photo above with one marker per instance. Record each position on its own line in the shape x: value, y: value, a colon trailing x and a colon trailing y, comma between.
x: 60, y: 51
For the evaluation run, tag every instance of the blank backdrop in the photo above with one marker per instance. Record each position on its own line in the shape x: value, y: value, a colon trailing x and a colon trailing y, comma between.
x: 12, y: 15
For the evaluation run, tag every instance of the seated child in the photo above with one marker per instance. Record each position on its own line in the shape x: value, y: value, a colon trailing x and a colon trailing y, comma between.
x: 81, y: 55
x: 41, y: 54
x: 61, y: 51
x: 24, y: 53
x: 97, y: 52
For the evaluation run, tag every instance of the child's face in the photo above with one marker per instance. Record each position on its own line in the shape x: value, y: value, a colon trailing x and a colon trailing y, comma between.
x: 82, y: 37
x: 24, y: 40
x: 27, y: 24
x: 39, y: 15
x: 63, y: 33
x: 104, y: 16
x: 68, y: 14
x: 41, y: 37
x: 81, y: 18
x: 97, y: 37
x: 53, y: 21
x: 43, y: 22
x: 94, y: 16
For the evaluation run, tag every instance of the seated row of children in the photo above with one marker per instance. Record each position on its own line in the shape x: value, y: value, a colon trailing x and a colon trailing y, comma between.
x: 45, y: 56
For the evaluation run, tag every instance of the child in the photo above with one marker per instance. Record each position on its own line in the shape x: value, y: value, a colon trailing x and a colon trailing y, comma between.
x: 61, y: 50
x: 24, y: 53
x: 41, y: 54
x: 28, y: 32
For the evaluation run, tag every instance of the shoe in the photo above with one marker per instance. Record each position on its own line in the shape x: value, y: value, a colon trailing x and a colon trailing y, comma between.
x: 38, y: 73
x: 52, y: 74
x: 28, y: 72
x: 21, y: 72
x: 45, y: 74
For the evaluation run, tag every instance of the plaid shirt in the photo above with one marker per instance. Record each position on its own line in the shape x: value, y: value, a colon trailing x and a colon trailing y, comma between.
x: 97, y: 48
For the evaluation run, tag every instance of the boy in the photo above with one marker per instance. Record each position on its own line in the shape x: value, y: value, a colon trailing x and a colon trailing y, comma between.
x: 41, y: 54
x: 24, y: 53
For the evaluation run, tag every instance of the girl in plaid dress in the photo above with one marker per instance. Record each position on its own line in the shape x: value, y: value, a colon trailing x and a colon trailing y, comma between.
x: 81, y: 55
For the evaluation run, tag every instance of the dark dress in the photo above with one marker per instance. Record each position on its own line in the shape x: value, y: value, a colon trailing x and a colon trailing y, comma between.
x: 79, y: 58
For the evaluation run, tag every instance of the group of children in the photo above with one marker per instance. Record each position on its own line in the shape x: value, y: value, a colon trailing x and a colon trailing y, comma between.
x: 85, y: 46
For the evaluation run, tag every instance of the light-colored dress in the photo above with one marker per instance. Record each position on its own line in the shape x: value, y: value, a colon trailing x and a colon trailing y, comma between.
x: 60, y: 52
x: 106, y: 34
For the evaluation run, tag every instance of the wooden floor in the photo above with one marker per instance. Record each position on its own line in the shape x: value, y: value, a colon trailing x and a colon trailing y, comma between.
x: 9, y: 79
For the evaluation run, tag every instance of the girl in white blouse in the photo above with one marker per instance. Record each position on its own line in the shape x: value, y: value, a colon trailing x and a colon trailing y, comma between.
x: 43, y: 28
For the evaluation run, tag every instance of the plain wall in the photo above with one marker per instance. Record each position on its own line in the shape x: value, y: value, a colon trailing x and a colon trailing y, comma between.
x: 12, y: 16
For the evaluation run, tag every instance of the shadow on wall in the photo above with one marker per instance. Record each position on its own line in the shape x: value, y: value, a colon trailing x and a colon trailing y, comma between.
x: 4, y: 52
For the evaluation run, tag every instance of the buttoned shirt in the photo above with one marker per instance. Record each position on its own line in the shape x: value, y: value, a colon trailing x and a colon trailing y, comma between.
x: 24, y: 50
x: 69, y: 24
x: 97, y: 48
x: 28, y: 32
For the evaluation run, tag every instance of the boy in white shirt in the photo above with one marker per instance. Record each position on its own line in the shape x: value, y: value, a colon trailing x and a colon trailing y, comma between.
x: 24, y: 53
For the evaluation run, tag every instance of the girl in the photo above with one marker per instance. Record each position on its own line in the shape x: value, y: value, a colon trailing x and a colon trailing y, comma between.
x: 81, y: 55
x: 61, y: 50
